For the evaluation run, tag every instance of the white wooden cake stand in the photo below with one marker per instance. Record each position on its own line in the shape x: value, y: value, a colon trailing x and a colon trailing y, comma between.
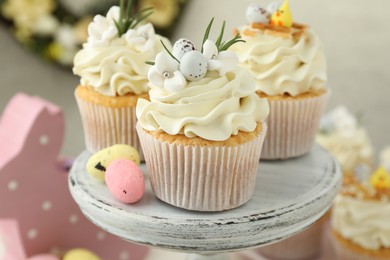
x: 290, y: 195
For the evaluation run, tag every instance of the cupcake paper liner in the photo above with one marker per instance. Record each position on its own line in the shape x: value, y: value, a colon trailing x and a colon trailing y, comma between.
x: 202, y: 178
x: 292, y: 126
x: 304, y: 245
x: 346, y: 253
x: 107, y: 126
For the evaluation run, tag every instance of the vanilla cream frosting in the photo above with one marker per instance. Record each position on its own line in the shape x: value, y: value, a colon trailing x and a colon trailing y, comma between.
x: 349, y: 150
x: 213, y: 108
x: 345, y: 139
x: 116, y: 69
x: 364, y: 222
x: 283, y: 65
x: 115, y: 65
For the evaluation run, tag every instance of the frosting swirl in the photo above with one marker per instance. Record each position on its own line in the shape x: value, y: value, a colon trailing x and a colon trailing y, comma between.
x: 365, y: 222
x: 283, y: 65
x: 213, y: 108
x: 115, y: 65
x: 116, y: 69
x: 349, y: 150
x: 345, y: 139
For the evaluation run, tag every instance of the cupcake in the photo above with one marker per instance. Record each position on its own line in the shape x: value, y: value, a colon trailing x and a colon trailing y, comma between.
x: 202, y: 130
x: 304, y: 245
x: 360, y: 217
x: 346, y: 140
x: 288, y: 63
x: 113, y: 75
x: 384, y: 155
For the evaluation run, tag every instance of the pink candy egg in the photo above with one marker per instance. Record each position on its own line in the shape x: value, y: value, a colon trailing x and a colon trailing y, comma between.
x: 125, y: 180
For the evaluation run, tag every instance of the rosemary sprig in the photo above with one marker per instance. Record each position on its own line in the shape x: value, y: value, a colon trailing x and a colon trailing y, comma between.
x: 170, y: 53
x: 224, y: 46
x: 219, y: 40
x: 221, y: 45
x: 127, y: 20
x: 206, y: 34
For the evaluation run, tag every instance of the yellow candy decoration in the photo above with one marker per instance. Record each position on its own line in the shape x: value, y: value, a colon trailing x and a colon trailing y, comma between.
x: 80, y: 254
x: 98, y: 163
x: 282, y: 16
x: 380, y: 179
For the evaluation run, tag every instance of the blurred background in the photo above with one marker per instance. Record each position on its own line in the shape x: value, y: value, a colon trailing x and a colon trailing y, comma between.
x: 38, y: 39
x: 354, y: 33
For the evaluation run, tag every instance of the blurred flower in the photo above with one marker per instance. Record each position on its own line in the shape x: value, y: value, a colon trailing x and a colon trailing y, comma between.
x: 45, y: 25
x: 58, y: 28
x: 66, y: 37
x: 59, y: 53
x: 164, y: 12
x: 81, y: 29
x: 26, y: 13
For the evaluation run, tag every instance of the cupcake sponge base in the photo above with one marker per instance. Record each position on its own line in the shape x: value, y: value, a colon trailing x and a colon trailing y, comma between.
x: 347, y: 250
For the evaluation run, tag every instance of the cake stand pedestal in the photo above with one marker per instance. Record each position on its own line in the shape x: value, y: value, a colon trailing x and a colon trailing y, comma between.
x: 290, y: 195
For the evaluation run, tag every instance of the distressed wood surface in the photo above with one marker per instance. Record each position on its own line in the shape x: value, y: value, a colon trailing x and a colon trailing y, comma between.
x: 290, y: 195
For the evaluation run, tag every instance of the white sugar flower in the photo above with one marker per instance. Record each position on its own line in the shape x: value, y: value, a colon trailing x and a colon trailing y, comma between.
x: 113, y: 14
x: 223, y: 61
x: 165, y: 73
x: 142, y: 38
x: 103, y: 30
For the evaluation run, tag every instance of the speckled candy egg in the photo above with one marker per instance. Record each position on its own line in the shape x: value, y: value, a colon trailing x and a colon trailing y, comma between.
x: 181, y: 47
x: 193, y: 66
x: 255, y: 13
x: 125, y: 180
x: 272, y: 7
x: 97, y: 163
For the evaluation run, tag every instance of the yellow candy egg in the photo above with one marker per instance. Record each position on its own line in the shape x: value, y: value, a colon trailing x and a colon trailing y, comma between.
x: 80, y: 254
x: 98, y: 163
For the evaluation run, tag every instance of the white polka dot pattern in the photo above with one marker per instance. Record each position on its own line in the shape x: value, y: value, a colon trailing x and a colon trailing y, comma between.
x: 44, y: 140
x: 73, y: 219
x: 124, y: 255
x: 100, y: 235
x: 46, y: 205
x: 32, y: 233
x: 13, y: 185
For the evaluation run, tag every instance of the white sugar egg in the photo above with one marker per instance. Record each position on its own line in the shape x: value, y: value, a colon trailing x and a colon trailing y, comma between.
x: 193, y: 66
x: 272, y: 7
x: 181, y: 47
x: 255, y: 13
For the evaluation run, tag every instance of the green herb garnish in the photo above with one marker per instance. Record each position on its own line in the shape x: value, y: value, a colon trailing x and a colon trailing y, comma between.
x: 127, y: 20
x: 221, y: 45
x: 170, y: 53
